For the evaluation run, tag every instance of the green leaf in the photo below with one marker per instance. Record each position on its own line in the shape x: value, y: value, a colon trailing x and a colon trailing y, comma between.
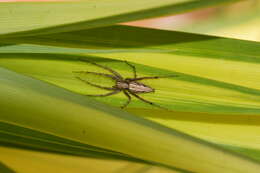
x: 16, y: 136
x: 201, y: 64
x: 37, y: 105
x: 48, y: 118
x: 26, y: 161
x: 45, y: 17
x: 5, y: 169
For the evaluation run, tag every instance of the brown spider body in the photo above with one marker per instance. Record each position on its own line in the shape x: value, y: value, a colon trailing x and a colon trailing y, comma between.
x: 132, y: 86
x: 129, y: 86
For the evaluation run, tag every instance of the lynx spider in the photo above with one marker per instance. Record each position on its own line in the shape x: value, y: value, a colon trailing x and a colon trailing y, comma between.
x: 129, y: 86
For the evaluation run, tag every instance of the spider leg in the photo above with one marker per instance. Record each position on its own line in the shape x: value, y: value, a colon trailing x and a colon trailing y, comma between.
x: 128, y: 101
x: 104, y: 67
x: 146, y: 101
x: 98, y: 86
x: 133, y: 67
x: 104, y: 95
x: 150, y: 77
x: 100, y: 74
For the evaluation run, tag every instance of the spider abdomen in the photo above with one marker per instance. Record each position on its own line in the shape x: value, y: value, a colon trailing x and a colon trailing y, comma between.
x: 137, y: 87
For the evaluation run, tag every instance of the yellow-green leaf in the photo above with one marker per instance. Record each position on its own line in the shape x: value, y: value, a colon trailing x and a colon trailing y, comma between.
x: 50, y: 17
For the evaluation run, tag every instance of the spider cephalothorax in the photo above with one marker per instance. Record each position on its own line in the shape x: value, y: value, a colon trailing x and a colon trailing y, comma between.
x: 129, y: 86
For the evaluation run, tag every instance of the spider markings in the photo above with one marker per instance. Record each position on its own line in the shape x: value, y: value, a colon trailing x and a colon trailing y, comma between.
x: 129, y: 86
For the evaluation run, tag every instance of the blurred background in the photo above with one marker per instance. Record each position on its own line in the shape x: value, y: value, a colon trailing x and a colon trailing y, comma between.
x: 240, y: 20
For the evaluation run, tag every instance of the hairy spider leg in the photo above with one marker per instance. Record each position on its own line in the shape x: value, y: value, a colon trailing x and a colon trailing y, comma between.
x: 150, y: 77
x: 104, y: 95
x: 98, y: 86
x: 146, y: 101
x: 100, y: 74
x: 128, y: 101
x: 104, y: 67
x: 133, y: 67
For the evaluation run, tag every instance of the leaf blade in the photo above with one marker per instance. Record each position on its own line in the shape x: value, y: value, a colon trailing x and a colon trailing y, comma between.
x: 171, y: 141
x: 86, y: 14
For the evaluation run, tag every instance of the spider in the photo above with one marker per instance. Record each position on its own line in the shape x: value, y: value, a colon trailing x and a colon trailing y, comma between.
x: 129, y: 86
